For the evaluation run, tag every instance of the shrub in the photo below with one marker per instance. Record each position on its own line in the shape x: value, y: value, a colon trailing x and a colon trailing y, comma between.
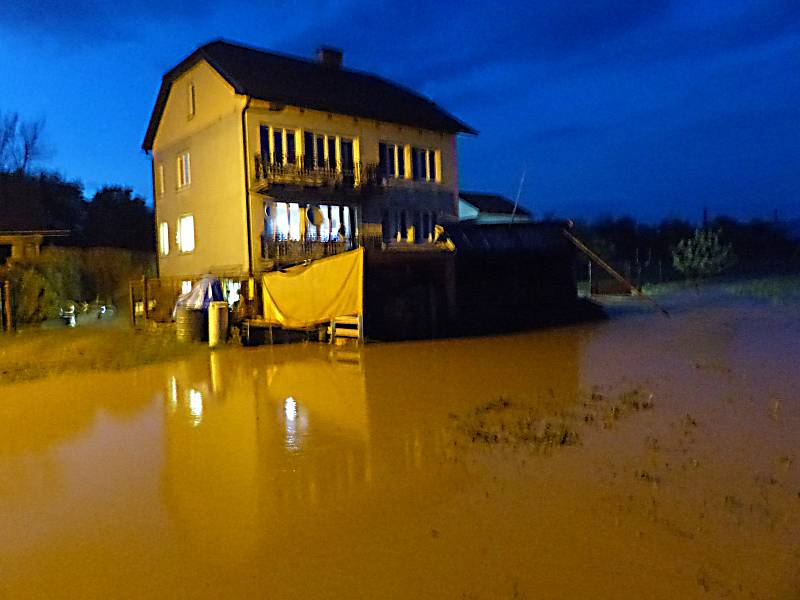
x: 35, y: 299
x: 61, y: 275
x: 702, y: 255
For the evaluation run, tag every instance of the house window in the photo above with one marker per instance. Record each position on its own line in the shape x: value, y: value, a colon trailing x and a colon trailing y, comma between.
x: 391, y: 160
x: 185, y: 235
x: 347, y: 162
x: 163, y: 238
x: 191, y: 99
x: 287, y: 221
x: 184, y: 170
x: 423, y: 164
x: 278, y: 145
x: 160, y: 172
x: 331, y: 152
x: 319, y: 151
x: 291, y: 150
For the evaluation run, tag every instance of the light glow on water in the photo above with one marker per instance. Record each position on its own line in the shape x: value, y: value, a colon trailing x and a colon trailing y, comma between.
x: 173, y: 394
x: 290, y: 408
x: 196, y: 407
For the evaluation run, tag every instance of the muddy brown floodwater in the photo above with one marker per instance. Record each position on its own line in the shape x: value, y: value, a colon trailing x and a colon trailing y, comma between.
x: 642, y: 457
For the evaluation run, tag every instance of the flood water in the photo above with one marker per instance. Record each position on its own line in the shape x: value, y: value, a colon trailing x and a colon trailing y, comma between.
x: 421, y: 470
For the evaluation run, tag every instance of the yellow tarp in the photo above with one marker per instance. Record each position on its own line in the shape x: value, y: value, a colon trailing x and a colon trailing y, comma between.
x: 309, y: 295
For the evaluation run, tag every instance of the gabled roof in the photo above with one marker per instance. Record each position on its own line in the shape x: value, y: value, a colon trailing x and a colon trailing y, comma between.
x: 492, y: 203
x: 309, y: 84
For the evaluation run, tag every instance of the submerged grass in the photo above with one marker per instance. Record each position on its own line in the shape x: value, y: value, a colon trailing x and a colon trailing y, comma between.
x: 780, y: 288
x: 543, y: 425
x: 33, y: 354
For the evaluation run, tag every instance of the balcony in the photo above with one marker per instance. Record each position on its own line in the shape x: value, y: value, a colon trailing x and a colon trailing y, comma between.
x: 286, y: 252
x: 302, y: 173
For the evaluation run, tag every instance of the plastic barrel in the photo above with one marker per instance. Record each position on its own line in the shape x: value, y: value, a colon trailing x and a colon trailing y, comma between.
x: 189, y: 324
x: 217, y: 323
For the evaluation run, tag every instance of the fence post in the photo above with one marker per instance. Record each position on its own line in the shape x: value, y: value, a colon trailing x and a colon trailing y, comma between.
x: 146, y: 299
x: 132, y: 298
x: 9, y: 320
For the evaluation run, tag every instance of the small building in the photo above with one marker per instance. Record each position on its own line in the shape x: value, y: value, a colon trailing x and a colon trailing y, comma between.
x: 490, y: 208
x: 18, y: 245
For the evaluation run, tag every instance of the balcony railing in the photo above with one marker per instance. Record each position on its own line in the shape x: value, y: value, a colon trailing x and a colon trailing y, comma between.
x: 291, y: 251
x: 307, y: 174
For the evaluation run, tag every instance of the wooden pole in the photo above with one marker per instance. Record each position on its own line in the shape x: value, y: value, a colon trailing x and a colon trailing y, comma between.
x: 132, y: 298
x: 146, y: 300
x: 610, y: 270
x: 7, y: 305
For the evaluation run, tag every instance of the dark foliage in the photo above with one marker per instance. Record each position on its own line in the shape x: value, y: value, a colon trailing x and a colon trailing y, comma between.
x: 644, y: 252
x: 114, y: 217
x: 42, y: 201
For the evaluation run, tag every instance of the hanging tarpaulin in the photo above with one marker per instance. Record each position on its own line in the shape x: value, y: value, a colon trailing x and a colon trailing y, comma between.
x: 313, y: 294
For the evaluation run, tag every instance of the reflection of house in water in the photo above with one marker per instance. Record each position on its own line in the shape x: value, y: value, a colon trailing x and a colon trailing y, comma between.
x: 260, y: 446
x: 248, y: 444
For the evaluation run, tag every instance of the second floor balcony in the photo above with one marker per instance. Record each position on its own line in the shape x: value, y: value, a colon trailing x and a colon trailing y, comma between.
x: 329, y: 174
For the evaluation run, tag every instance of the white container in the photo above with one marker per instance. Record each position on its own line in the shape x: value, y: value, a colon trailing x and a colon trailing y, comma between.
x: 217, y: 323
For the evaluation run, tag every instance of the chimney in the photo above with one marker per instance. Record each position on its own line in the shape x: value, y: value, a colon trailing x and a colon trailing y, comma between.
x: 330, y: 57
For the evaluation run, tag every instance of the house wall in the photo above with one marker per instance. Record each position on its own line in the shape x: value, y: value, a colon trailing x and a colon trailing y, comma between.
x: 215, y: 196
x: 441, y: 196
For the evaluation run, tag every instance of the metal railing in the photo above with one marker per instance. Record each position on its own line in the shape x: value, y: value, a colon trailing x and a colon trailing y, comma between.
x: 308, y: 173
x: 296, y: 251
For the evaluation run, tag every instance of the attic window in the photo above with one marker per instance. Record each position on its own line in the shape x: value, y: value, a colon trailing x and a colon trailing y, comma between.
x: 192, y: 100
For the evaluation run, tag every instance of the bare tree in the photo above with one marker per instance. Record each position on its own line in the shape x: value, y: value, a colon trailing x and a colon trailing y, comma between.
x: 21, y: 142
x: 8, y: 135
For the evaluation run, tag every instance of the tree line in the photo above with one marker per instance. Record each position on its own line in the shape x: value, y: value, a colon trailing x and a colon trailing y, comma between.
x: 40, y: 200
x: 676, y: 248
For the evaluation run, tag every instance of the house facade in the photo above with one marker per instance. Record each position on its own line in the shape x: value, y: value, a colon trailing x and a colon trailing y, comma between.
x: 261, y: 159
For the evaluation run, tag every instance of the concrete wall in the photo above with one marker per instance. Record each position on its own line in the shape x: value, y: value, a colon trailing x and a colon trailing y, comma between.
x: 216, y: 195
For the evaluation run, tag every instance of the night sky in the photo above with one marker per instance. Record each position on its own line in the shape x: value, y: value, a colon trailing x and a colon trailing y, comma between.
x: 650, y: 108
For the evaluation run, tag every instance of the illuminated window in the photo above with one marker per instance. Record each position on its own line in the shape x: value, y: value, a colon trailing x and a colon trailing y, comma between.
x: 184, y: 170
x: 160, y: 171
x: 186, y: 286
x: 192, y: 100
x: 391, y: 160
x: 186, y: 233
x: 163, y: 238
x: 423, y: 164
x: 287, y: 221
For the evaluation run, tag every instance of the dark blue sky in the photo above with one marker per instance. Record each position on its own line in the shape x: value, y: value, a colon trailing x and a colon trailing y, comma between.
x: 651, y: 108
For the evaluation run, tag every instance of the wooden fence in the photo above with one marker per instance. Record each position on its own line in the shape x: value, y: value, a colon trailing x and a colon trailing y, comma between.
x: 152, y: 299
